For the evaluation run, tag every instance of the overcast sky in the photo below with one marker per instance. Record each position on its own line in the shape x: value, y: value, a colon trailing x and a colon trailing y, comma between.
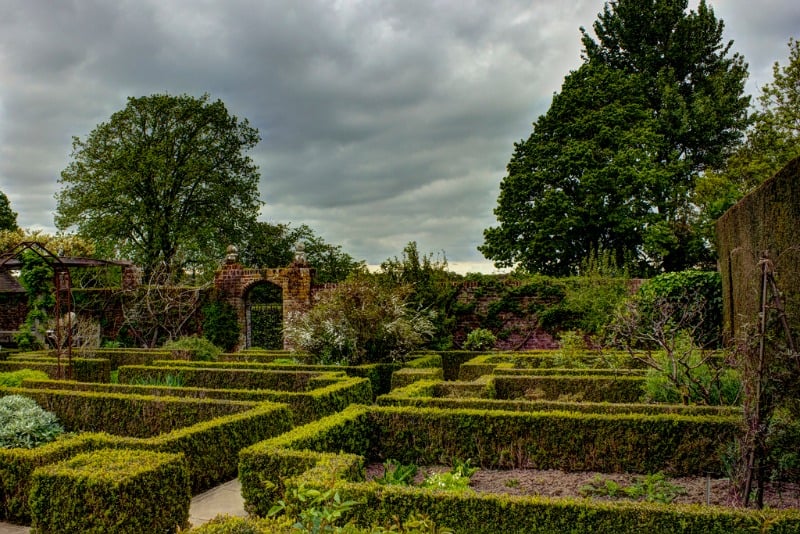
x: 382, y: 122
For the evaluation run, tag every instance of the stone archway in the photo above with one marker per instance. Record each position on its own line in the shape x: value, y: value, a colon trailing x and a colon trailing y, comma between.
x: 233, y: 282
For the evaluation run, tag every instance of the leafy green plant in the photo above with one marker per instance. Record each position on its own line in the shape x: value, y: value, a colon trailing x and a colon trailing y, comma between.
x: 480, y: 339
x: 169, y: 380
x: 24, y: 424
x: 457, y: 479
x: 396, y: 474
x: 316, y: 510
x: 654, y: 488
x: 15, y: 378
x: 601, y: 487
x: 512, y: 483
x: 649, y: 488
x: 196, y: 348
x: 221, y: 325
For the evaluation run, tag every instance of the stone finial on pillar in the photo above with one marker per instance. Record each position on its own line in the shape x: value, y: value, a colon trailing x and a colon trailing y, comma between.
x: 231, y: 255
x: 300, y: 255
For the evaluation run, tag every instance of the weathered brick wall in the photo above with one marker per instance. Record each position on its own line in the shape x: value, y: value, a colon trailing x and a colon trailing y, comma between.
x: 13, y: 309
x: 765, y: 222
x: 515, y: 331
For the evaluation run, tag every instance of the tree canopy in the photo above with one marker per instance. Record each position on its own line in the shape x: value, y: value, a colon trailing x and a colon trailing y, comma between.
x: 613, y: 163
x: 273, y: 245
x: 8, y: 217
x: 165, y: 181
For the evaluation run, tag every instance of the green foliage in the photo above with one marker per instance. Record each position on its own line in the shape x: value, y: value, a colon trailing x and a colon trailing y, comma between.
x: 178, y: 164
x: 590, y: 302
x: 669, y: 326
x: 397, y: 474
x: 783, y: 435
x: 359, y: 321
x: 15, y: 378
x: 457, y: 479
x: 36, y: 276
x: 274, y: 245
x: 125, y: 491
x: 221, y: 325
x: 706, y: 381
x: 480, y: 339
x: 23, y: 423
x: 430, y: 288
x: 83, y: 369
x: 196, y: 348
x: 8, y: 217
x: 168, y: 380
x: 415, y: 523
x: 422, y: 435
x: 772, y: 142
x: 266, y: 316
x: 130, y: 415
x: 611, y: 165
x: 649, y: 488
x: 696, y: 292
x: 316, y: 511
x: 223, y: 375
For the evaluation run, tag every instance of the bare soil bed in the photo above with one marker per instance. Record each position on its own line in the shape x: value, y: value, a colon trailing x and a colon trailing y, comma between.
x: 553, y: 483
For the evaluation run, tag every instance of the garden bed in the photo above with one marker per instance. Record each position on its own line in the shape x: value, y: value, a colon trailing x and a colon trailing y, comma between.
x: 556, y: 483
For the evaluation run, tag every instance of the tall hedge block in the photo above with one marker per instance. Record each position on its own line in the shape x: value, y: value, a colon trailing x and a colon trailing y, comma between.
x: 765, y: 220
x: 112, y: 491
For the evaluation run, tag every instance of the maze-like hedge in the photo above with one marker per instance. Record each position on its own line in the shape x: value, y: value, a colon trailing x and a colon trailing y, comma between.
x: 281, y: 425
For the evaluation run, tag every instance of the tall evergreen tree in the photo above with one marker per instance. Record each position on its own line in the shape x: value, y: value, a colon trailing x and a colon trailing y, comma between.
x: 613, y: 163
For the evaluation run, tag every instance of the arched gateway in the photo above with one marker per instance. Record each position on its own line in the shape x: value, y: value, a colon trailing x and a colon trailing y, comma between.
x: 233, y: 283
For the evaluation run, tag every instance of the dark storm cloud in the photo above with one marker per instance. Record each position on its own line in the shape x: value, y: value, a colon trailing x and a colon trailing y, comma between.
x: 382, y: 121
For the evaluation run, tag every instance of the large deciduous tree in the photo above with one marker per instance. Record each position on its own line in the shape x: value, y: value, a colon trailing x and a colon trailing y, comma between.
x: 613, y: 163
x: 8, y: 217
x: 165, y: 181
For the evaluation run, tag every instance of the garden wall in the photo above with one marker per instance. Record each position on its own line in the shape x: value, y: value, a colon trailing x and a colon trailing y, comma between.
x: 765, y: 221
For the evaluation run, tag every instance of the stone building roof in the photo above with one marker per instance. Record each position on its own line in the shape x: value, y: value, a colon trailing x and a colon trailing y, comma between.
x: 8, y: 284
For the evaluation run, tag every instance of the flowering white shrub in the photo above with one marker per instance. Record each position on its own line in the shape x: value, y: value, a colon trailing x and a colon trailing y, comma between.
x: 358, y: 322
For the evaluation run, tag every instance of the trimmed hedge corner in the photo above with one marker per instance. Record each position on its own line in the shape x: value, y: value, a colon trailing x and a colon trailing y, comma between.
x: 119, y: 491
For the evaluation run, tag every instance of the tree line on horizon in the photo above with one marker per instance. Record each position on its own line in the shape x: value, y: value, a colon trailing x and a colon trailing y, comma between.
x: 648, y: 142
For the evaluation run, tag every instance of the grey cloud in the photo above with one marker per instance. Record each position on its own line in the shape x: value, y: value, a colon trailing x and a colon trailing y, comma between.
x: 383, y: 121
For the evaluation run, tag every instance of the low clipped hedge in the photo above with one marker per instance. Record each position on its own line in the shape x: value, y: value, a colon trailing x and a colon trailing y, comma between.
x: 595, y: 388
x: 83, y: 369
x: 485, y: 364
x: 453, y: 359
x: 128, y: 356
x: 305, y: 456
x: 406, y: 376
x: 203, y: 376
x: 331, y: 394
x: 120, y: 491
x: 379, y: 374
x: 127, y: 415
x: 490, y: 514
x: 428, y: 393
x: 211, y: 450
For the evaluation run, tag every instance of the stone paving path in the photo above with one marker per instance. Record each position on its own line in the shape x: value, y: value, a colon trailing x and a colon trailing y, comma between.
x: 224, y: 499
